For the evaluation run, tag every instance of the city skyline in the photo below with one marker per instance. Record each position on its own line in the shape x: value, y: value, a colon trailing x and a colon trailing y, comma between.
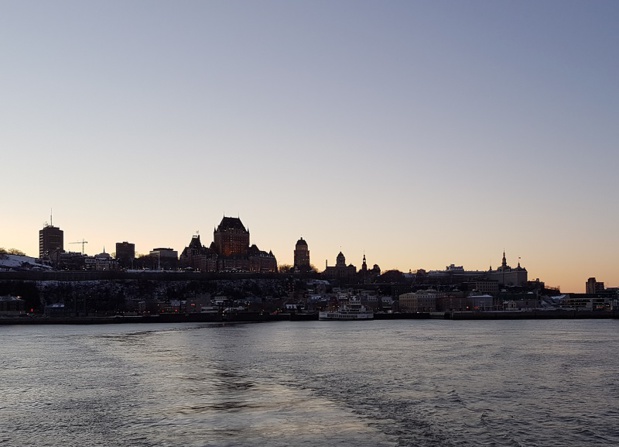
x: 420, y: 134
x: 243, y: 244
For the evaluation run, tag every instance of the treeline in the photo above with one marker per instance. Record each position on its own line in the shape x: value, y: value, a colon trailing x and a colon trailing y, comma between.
x: 11, y: 251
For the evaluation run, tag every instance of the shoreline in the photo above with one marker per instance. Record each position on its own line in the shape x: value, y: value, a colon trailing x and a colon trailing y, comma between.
x: 258, y: 317
x: 533, y: 315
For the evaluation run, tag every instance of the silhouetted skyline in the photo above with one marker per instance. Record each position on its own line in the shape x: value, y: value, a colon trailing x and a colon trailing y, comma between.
x: 419, y: 133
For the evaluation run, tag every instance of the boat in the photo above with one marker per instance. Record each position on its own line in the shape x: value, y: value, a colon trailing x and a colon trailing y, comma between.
x: 347, y: 312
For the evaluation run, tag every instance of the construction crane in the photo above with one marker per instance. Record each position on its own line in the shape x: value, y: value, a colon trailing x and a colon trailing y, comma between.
x: 80, y: 242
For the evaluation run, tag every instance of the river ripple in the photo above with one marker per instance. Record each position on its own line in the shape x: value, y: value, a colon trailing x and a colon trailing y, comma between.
x: 374, y: 383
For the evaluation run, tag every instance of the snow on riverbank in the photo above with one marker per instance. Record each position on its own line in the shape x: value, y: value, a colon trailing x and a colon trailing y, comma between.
x: 16, y: 262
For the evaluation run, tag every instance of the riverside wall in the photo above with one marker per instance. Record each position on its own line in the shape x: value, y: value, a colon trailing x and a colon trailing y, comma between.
x: 531, y: 315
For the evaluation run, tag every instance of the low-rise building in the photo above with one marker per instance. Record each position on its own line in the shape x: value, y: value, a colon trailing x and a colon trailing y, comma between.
x: 166, y: 258
x: 584, y: 301
x: 420, y: 301
x: 480, y: 302
x: 452, y: 301
x: 72, y: 261
x: 487, y: 287
x: 12, y: 306
x: 101, y: 262
x: 593, y: 286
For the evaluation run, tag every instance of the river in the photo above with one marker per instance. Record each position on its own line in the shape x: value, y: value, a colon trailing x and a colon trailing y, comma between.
x: 370, y: 383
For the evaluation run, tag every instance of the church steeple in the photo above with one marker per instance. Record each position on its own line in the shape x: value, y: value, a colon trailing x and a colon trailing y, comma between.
x: 504, y: 261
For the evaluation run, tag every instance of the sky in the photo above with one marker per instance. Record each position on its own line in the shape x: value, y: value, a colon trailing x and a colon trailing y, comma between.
x: 418, y: 133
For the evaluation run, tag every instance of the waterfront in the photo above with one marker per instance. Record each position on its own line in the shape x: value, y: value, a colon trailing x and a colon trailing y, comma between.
x: 375, y: 383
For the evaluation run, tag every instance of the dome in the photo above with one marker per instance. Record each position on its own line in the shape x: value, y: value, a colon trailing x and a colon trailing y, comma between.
x: 301, y: 242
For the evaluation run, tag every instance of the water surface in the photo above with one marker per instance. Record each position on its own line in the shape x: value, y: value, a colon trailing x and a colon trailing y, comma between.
x: 370, y: 383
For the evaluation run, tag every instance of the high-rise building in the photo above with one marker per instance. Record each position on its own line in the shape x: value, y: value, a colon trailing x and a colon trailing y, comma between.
x: 125, y: 254
x: 592, y: 286
x: 301, y: 256
x: 51, y: 242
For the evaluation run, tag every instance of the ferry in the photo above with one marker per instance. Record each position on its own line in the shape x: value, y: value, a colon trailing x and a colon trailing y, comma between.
x: 347, y: 312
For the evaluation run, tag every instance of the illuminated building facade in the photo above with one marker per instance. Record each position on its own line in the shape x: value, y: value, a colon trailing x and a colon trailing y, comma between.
x: 229, y: 252
x: 231, y: 238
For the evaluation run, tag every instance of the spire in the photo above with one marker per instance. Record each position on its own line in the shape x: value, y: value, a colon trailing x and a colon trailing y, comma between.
x: 504, y: 262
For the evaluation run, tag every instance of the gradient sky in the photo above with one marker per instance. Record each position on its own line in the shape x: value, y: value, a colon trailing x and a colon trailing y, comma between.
x: 421, y: 133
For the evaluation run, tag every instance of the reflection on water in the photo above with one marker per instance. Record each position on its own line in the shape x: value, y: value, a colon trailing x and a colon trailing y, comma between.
x: 379, y: 383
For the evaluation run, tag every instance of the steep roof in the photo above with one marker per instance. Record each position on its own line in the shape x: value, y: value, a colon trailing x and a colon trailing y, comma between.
x: 195, y: 242
x: 231, y: 223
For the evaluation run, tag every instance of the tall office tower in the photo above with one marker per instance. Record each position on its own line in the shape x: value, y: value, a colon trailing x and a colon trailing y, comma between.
x: 301, y: 256
x: 125, y: 254
x: 51, y: 241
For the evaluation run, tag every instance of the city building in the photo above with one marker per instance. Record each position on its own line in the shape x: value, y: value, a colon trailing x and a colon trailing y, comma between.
x: 261, y: 261
x: 125, y: 254
x: 367, y: 276
x: 229, y: 252
x: 230, y: 238
x: 101, y: 262
x: 340, y: 272
x: 487, y: 281
x: 453, y: 274
x: 508, y: 276
x: 165, y: 258
x: 11, y: 305
x: 525, y: 300
x: 301, y: 256
x: 451, y: 301
x: 481, y: 286
x: 592, y: 286
x: 480, y: 302
x: 599, y: 301
x: 198, y: 257
x: 70, y: 260
x: 51, y: 243
x: 420, y: 301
